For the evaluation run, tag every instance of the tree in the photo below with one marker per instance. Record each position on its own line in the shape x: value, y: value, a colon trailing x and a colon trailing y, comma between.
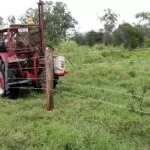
x: 145, y: 31
x: 93, y: 37
x: 1, y: 21
x: 79, y: 38
x: 30, y: 12
x: 128, y: 35
x: 118, y: 37
x: 58, y: 21
x: 90, y: 38
x: 11, y: 19
x: 109, y: 19
x: 144, y: 17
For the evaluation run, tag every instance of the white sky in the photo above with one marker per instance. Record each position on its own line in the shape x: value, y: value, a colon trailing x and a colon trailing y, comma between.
x: 85, y: 12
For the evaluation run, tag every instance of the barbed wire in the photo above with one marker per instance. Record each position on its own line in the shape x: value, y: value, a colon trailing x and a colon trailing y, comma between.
x: 26, y: 88
x: 145, y: 48
x: 119, y: 62
x: 89, y: 98
x: 104, y: 89
x: 26, y: 59
x: 101, y: 63
x: 109, y: 63
x: 26, y: 78
x: 81, y: 85
x: 97, y: 88
x: 34, y: 68
x: 101, y: 51
x: 107, y: 103
x: 88, y: 64
x: 26, y: 68
x: 76, y: 53
x: 88, y: 52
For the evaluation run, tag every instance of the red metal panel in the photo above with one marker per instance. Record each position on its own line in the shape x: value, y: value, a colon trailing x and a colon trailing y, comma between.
x: 11, y: 57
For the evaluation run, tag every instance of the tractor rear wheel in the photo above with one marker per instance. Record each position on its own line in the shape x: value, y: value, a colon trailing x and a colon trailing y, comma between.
x: 2, y: 83
x: 43, y: 81
x: 10, y: 93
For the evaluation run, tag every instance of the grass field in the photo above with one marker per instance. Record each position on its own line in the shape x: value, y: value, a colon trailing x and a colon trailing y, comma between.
x: 81, y: 121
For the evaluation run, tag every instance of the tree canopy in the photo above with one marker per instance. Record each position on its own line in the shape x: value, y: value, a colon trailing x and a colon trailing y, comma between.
x: 144, y: 17
x: 109, y: 19
x: 90, y: 38
x: 58, y: 21
x: 11, y: 19
x: 128, y: 35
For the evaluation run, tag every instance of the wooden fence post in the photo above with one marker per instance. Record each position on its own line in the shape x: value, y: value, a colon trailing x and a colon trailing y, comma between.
x: 49, y: 72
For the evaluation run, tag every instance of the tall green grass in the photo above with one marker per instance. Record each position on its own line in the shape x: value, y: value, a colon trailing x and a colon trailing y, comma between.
x: 78, y: 122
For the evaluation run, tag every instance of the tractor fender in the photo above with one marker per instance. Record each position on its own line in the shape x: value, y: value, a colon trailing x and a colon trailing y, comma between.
x: 5, y: 57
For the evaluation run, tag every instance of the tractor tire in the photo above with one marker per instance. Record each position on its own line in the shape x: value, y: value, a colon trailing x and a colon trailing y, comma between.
x: 9, y: 93
x: 55, y: 82
x: 2, y: 84
x: 43, y: 81
x: 2, y: 79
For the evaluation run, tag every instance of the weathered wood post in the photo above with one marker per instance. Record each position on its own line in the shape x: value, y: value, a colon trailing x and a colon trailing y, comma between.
x: 49, y: 72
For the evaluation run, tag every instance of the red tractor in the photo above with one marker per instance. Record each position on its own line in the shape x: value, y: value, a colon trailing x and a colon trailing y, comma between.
x: 22, y: 51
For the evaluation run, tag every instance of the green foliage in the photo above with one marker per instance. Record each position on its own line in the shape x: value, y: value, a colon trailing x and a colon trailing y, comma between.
x: 58, y: 21
x: 109, y: 19
x: 129, y: 35
x: 80, y: 123
x: 132, y: 74
x: 145, y: 31
x: 11, y: 19
x: 67, y: 47
x: 93, y: 37
x: 79, y: 38
x: 141, y: 92
x: 144, y: 16
x: 108, y: 38
x: 90, y: 38
x: 147, y: 42
x: 30, y: 12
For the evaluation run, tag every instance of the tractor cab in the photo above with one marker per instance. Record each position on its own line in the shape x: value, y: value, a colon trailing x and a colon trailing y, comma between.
x: 19, y: 38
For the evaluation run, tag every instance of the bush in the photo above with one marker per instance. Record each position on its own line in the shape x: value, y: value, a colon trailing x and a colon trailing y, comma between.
x: 147, y: 42
x: 67, y: 46
x: 90, y: 38
x: 129, y: 35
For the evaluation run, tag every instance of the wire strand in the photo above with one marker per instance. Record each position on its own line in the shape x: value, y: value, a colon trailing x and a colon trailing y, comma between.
x: 88, y: 52
x: 100, y: 51
x: 119, y: 62
x: 93, y: 99
x: 107, y: 103
x: 104, y: 89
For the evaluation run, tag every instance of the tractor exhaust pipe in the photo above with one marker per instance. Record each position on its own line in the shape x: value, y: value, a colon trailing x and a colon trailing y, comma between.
x: 41, y: 25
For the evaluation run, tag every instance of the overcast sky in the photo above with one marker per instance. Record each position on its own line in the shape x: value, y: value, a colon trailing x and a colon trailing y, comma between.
x: 85, y: 12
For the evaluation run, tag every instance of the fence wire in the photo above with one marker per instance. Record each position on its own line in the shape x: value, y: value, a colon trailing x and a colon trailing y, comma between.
x: 92, y: 87
x: 87, y: 98
x: 104, y: 89
x: 107, y: 103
